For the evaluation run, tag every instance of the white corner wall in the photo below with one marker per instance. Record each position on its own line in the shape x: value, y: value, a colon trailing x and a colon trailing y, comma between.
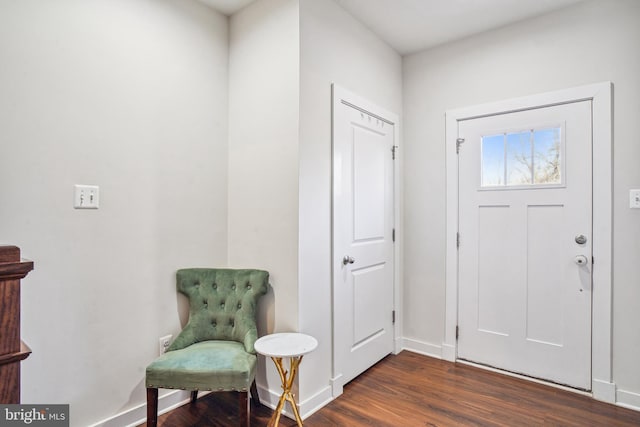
x: 591, y: 42
x: 263, y: 150
x: 334, y: 48
x: 263, y: 162
x: 130, y: 95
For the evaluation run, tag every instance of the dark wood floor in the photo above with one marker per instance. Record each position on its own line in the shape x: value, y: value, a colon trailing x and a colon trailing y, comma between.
x: 414, y: 390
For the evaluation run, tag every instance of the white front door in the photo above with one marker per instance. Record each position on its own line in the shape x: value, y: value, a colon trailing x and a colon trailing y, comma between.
x: 525, y: 230
x: 363, y: 270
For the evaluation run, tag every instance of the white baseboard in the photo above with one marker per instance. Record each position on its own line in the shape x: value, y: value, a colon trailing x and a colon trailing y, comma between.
x: 337, y: 387
x: 398, y: 345
x: 267, y: 397
x: 604, y: 391
x: 138, y: 414
x: 307, y: 407
x: 421, y: 347
x: 448, y: 352
x: 315, y: 402
x: 270, y: 399
x: 628, y: 399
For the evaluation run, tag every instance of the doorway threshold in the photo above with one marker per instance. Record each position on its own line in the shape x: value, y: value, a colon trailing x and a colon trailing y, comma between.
x: 526, y: 377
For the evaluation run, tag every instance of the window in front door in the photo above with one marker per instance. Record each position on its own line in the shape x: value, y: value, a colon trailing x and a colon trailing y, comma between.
x: 524, y: 158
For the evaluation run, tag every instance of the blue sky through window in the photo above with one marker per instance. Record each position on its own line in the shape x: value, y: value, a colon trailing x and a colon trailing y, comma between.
x: 519, y: 163
x: 493, y: 160
x: 547, y: 156
x: 521, y: 158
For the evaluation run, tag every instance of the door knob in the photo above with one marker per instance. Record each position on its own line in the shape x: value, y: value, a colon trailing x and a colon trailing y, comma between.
x: 347, y: 260
x: 581, y: 260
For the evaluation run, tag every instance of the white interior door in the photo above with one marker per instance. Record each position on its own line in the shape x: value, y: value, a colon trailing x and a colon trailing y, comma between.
x: 363, y: 271
x: 525, y: 230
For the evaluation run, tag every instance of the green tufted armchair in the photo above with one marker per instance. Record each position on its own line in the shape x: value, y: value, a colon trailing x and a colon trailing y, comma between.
x: 214, y: 351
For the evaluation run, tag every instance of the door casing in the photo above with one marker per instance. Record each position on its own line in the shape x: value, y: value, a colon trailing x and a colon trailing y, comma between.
x: 600, y: 94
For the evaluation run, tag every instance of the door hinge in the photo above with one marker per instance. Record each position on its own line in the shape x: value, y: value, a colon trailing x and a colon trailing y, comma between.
x: 393, y: 235
x: 458, y: 240
x: 393, y: 317
x: 393, y: 152
x: 459, y: 142
x: 593, y: 260
x: 457, y: 331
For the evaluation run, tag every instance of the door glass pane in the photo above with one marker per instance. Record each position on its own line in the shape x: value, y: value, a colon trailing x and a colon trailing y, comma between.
x: 519, y: 162
x: 523, y: 158
x: 492, y: 160
x: 547, y: 156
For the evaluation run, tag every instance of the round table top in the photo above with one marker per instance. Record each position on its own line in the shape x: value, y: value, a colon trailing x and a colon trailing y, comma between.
x: 286, y: 344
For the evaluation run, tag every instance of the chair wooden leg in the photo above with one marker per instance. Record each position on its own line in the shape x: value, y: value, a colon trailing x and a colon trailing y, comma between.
x: 194, y: 396
x: 152, y: 407
x: 245, y: 410
x: 254, y: 393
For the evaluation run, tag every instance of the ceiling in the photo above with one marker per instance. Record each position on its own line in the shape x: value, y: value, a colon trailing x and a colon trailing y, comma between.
x: 228, y: 7
x: 413, y: 25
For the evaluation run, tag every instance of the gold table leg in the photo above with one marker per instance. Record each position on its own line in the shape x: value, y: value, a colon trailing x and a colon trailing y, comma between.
x: 287, y: 383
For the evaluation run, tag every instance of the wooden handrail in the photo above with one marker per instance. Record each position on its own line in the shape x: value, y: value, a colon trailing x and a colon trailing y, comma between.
x: 12, y: 349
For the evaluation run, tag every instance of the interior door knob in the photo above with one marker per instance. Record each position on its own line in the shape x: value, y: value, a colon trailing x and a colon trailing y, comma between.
x: 347, y: 260
x: 581, y: 260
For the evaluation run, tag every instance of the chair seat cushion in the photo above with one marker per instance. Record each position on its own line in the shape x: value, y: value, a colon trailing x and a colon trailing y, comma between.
x: 207, y: 365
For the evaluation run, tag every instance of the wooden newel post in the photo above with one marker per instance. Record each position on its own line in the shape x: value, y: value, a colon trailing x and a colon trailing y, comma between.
x: 12, y: 349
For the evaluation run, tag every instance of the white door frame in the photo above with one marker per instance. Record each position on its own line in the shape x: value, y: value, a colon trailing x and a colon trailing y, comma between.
x: 339, y: 94
x: 600, y: 94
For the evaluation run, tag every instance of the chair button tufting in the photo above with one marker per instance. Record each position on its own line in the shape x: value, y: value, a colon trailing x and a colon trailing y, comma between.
x: 233, y: 286
x: 222, y: 305
x: 239, y: 306
x: 248, y: 285
x: 215, y: 285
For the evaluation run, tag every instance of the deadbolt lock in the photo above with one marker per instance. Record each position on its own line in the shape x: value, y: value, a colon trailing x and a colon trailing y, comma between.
x: 581, y: 239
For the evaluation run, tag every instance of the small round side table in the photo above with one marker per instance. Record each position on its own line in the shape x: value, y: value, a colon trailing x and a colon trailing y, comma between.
x: 293, y: 346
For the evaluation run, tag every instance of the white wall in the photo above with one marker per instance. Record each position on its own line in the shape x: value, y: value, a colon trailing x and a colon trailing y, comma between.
x: 263, y: 159
x: 592, y: 42
x: 130, y: 95
x: 334, y: 48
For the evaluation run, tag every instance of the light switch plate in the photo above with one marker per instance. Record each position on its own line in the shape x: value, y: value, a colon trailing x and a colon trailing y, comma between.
x: 86, y: 197
x: 634, y: 199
